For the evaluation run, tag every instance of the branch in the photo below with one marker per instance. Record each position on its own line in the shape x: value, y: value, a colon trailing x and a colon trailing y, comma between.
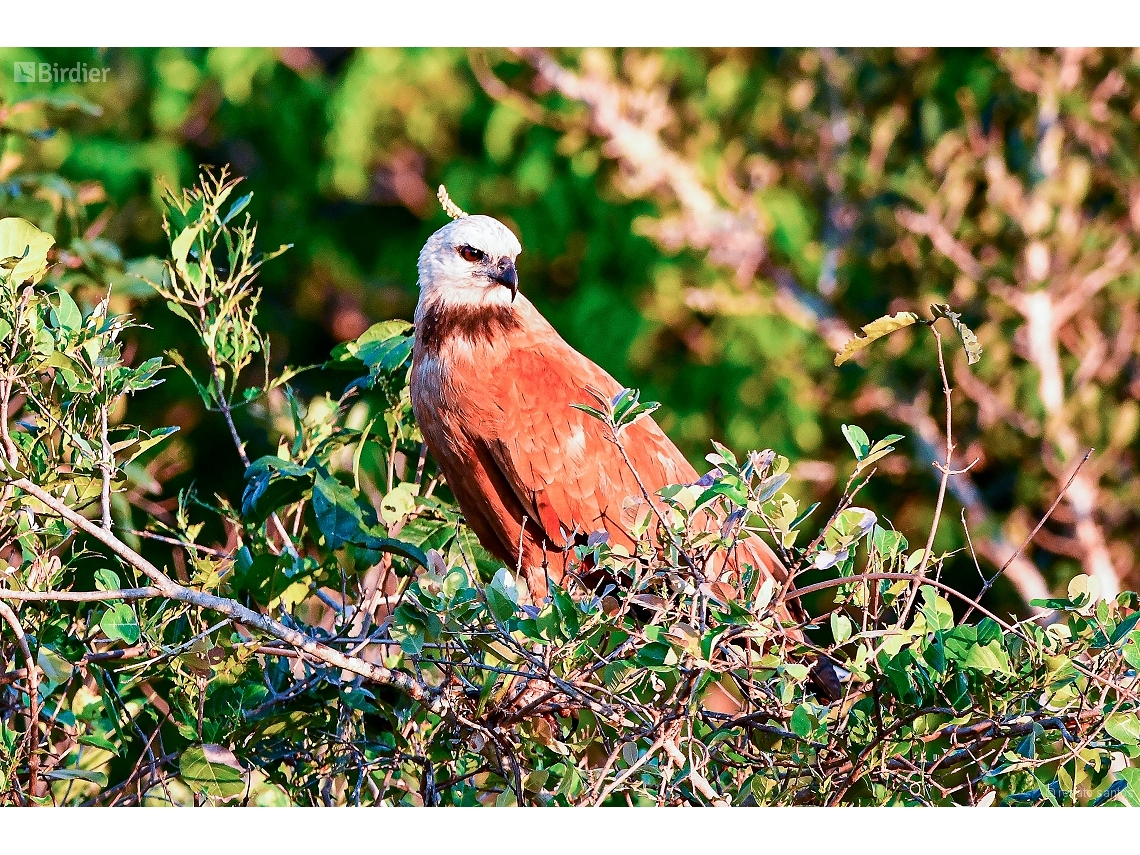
x: 31, y: 738
x: 945, y: 480
x: 80, y: 596
x: 167, y: 587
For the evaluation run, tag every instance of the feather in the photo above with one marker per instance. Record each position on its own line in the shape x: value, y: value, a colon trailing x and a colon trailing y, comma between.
x: 492, y: 387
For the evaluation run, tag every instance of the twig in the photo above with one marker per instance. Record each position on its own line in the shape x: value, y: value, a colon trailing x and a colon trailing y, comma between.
x: 942, y: 484
x: 32, y: 737
x: 1029, y: 538
x: 169, y: 588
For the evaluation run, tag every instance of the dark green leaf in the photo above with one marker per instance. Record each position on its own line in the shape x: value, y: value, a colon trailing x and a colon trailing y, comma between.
x: 99, y: 778
x: 988, y: 630
x: 272, y: 484
x: 338, y: 515
x: 237, y: 207
x: 1124, y: 627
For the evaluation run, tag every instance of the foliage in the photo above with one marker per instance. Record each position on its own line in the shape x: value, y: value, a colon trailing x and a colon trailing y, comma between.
x: 709, y: 225
x: 350, y: 642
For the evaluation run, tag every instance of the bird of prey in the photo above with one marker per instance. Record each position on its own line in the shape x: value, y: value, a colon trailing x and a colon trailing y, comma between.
x: 492, y: 386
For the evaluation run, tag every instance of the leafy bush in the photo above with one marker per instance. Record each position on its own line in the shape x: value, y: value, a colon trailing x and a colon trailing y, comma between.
x: 346, y: 639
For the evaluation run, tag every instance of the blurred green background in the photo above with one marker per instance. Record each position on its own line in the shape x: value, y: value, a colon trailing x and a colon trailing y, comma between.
x: 708, y: 225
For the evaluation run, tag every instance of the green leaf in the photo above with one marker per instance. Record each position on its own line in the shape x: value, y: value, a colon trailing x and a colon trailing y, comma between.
x: 959, y: 641
x: 898, y: 669
x: 795, y: 524
x: 67, y: 315
x: 770, y: 486
x: 988, y: 630
x: 873, y: 331
x: 408, y: 630
x: 731, y: 488
x: 97, y: 741
x: 1132, y: 793
x: 988, y: 658
x: 936, y: 610
x: 935, y: 654
x: 393, y: 546
x: 1131, y: 651
x: 272, y: 484
x: 1052, y: 603
x: 656, y: 654
x: 796, y: 670
x: 1124, y: 627
x: 1028, y: 746
x: 98, y: 778
x: 887, y: 542
x: 19, y: 239
x: 213, y: 770
x: 56, y: 669
x: 959, y: 692
x: 398, y: 503
x: 591, y: 411
x: 502, y: 595
x: 119, y: 623
x: 1124, y: 727
x: 878, y: 451
x: 858, y: 440
x: 237, y: 207
x: 180, y: 247
x: 840, y: 627
x: 801, y: 724
x: 567, y: 611
x: 106, y: 580
x: 337, y: 512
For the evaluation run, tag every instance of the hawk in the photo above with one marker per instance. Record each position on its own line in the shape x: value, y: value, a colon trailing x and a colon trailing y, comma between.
x: 492, y: 386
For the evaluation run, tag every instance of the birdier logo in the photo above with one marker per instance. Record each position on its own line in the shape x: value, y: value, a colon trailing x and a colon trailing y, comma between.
x: 52, y: 72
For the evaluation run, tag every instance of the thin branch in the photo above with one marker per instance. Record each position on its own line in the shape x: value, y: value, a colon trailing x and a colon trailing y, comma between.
x: 31, y: 738
x: 171, y: 589
x: 1029, y: 538
x: 942, y: 484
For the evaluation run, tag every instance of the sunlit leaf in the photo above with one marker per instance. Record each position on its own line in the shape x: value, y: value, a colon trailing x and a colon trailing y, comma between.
x: 119, y: 623
x: 213, y: 770
x: 21, y: 240
x: 874, y: 331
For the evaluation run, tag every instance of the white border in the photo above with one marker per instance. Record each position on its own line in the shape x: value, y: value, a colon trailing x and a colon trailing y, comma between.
x: 579, y: 22
x: 594, y: 831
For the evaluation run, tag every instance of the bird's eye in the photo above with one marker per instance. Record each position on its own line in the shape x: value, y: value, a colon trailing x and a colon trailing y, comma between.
x: 471, y: 254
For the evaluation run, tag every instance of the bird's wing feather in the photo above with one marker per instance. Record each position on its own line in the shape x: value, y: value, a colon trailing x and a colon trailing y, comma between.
x: 563, y: 468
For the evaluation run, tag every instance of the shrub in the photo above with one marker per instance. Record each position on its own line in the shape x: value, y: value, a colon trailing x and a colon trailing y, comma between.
x: 346, y: 640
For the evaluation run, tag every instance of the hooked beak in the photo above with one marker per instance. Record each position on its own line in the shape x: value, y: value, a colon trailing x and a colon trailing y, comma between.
x: 506, y: 275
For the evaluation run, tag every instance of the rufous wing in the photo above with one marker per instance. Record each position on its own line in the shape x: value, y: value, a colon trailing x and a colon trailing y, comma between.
x: 563, y: 467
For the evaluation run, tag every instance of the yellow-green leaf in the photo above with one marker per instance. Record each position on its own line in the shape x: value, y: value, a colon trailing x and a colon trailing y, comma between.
x: 213, y: 770
x: 875, y: 330
x: 18, y: 236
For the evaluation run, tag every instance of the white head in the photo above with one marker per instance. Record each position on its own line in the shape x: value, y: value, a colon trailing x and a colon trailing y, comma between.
x: 470, y: 261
